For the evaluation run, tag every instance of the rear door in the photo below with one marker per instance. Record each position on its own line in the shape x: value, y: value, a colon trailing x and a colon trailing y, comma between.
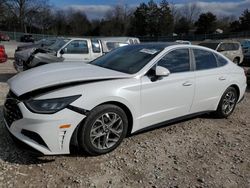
x: 211, y: 80
x: 77, y: 50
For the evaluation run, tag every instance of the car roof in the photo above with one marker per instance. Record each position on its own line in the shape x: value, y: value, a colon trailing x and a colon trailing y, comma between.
x: 219, y: 41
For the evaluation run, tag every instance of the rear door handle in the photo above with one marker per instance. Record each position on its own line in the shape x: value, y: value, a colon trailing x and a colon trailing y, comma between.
x: 187, y: 83
x: 222, y: 78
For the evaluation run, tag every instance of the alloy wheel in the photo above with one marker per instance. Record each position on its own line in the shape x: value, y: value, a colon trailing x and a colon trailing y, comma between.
x: 106, y: 130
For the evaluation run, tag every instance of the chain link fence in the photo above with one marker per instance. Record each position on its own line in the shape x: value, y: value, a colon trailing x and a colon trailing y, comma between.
x: 192, y: 37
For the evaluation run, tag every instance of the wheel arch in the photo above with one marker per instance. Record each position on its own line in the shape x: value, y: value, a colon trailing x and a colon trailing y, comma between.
x: 236, y: 87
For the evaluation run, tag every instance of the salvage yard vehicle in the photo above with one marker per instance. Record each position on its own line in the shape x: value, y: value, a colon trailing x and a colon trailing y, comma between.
x: 23, y: 52
x: 231, y: 49
x: 111, y: 43
x: 67, y: 50
x: 41, y: 43
x: 4, y: 37
x: 27, y: 38
x: 94, y: 106
x: 246, y: 48
x: 3, y: 55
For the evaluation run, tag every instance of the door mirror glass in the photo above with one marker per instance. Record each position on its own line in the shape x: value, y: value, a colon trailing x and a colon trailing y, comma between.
x: 161, y: 71
x: 63, y: 51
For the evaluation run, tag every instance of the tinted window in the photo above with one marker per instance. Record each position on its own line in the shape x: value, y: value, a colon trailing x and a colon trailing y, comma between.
x: 176, y: 61
x: 210, y: 45
x: 228, y: 47
x: 129, y: 59
x: 77, y: 47
x: 96, y: 46
x: 204, y: 59
x: 236, y: 46
x: 220, y: 60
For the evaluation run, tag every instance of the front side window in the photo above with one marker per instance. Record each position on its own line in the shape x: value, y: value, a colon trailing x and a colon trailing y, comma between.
x: 204, y: 59
x: 96, y: 46
x: 176, y: 61
x: 77, y: 47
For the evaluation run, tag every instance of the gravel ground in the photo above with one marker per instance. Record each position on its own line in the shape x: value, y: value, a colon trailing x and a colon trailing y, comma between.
x: 199, y: 152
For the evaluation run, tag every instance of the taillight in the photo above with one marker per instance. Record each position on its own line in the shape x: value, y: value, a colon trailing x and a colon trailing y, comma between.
x: 2, y: 48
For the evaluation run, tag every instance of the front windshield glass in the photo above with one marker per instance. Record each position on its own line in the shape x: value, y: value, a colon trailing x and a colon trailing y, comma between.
x: 58, y: 45
x: 129, y: 59
x: 211, y: 45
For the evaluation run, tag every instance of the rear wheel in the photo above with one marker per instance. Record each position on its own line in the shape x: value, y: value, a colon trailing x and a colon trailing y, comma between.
x: 227, y: 103
x: 103, y: 131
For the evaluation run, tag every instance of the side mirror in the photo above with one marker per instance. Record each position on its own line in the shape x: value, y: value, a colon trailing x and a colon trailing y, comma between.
x: 62, y: 51
x: 161, y: 71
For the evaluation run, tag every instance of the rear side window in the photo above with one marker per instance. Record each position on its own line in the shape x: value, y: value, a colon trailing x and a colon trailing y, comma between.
x: 220, y: 60
x: 176, y: 61
x: 236, y: 46
x: 204, y: 59
x: 96, y: 46
x: 77, y: 47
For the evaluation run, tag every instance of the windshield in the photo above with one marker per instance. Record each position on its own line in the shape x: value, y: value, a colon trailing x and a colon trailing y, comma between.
x: 129, y: 59
x: 58, y: 45
x: 211, y: 45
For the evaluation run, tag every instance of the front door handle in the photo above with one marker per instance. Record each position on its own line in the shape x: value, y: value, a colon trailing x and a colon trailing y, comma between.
x: 187, y: 83
x: 222, y: 78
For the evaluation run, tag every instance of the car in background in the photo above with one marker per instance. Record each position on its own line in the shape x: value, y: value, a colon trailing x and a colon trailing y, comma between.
x: 111, y: 43
x: 183, y: 42
x: 95, y: 106
x: 38, y: 44
x: 71, y: 50
x: 66, y: 50
x: 246, y: 48
x: 4, y: 37
x: 27, y: 38
x: 3, y: 55
x: 231, y: 49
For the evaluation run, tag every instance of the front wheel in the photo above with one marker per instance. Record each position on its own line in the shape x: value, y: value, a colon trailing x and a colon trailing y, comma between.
x: 227, y: 103
x: 103, y: 131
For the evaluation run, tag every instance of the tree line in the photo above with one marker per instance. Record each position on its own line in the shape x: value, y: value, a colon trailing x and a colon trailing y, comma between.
x: 148, y: 19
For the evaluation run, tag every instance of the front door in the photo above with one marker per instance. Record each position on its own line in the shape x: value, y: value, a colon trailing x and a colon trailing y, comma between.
x: 168, y: 97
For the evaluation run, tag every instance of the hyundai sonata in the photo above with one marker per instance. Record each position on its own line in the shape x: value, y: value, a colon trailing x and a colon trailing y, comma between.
x: 95, y: 105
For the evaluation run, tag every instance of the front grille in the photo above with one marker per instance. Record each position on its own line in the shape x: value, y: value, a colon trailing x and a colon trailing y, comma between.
x: 11, y: 110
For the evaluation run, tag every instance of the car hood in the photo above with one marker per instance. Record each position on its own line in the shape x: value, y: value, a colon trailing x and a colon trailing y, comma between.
x: 24, y: 54
x: 59, y: 74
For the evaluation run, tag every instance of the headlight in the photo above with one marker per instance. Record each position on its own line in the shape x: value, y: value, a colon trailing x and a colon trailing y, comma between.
x: 49, y: 106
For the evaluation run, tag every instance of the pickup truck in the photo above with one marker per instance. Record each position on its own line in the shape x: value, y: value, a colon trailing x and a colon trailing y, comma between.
x: 67, y: 50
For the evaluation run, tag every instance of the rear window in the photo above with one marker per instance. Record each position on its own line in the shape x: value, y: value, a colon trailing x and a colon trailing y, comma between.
x: 204, y: 59
x: 211, y: 45
x: 220, y: 60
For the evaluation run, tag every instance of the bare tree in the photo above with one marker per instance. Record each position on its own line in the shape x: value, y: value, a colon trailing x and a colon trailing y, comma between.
x: 22, y: 9
x: 191, y: 12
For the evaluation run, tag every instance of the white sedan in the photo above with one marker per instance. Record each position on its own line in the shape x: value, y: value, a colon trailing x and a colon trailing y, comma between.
x: 94, y: 106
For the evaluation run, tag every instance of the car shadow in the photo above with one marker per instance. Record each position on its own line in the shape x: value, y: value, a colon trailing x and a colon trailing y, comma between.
x: 5, y: 77
x: 10, y: 153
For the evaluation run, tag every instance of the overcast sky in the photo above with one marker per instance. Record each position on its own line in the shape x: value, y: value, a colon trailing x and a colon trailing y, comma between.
x: 96, y: 8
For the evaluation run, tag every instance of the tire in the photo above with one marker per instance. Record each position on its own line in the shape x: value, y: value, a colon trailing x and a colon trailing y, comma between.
x: 93, y: 134
x: 227, y: 103
x: 236, y: 61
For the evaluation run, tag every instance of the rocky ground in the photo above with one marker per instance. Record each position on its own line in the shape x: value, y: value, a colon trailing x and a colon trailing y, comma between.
x: 199, y: 152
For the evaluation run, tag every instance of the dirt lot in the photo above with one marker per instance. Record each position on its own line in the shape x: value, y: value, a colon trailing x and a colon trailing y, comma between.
x: 200, y: 152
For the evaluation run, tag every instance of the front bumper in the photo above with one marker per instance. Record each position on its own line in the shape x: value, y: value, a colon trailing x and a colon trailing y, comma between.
x: 42, y: 132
